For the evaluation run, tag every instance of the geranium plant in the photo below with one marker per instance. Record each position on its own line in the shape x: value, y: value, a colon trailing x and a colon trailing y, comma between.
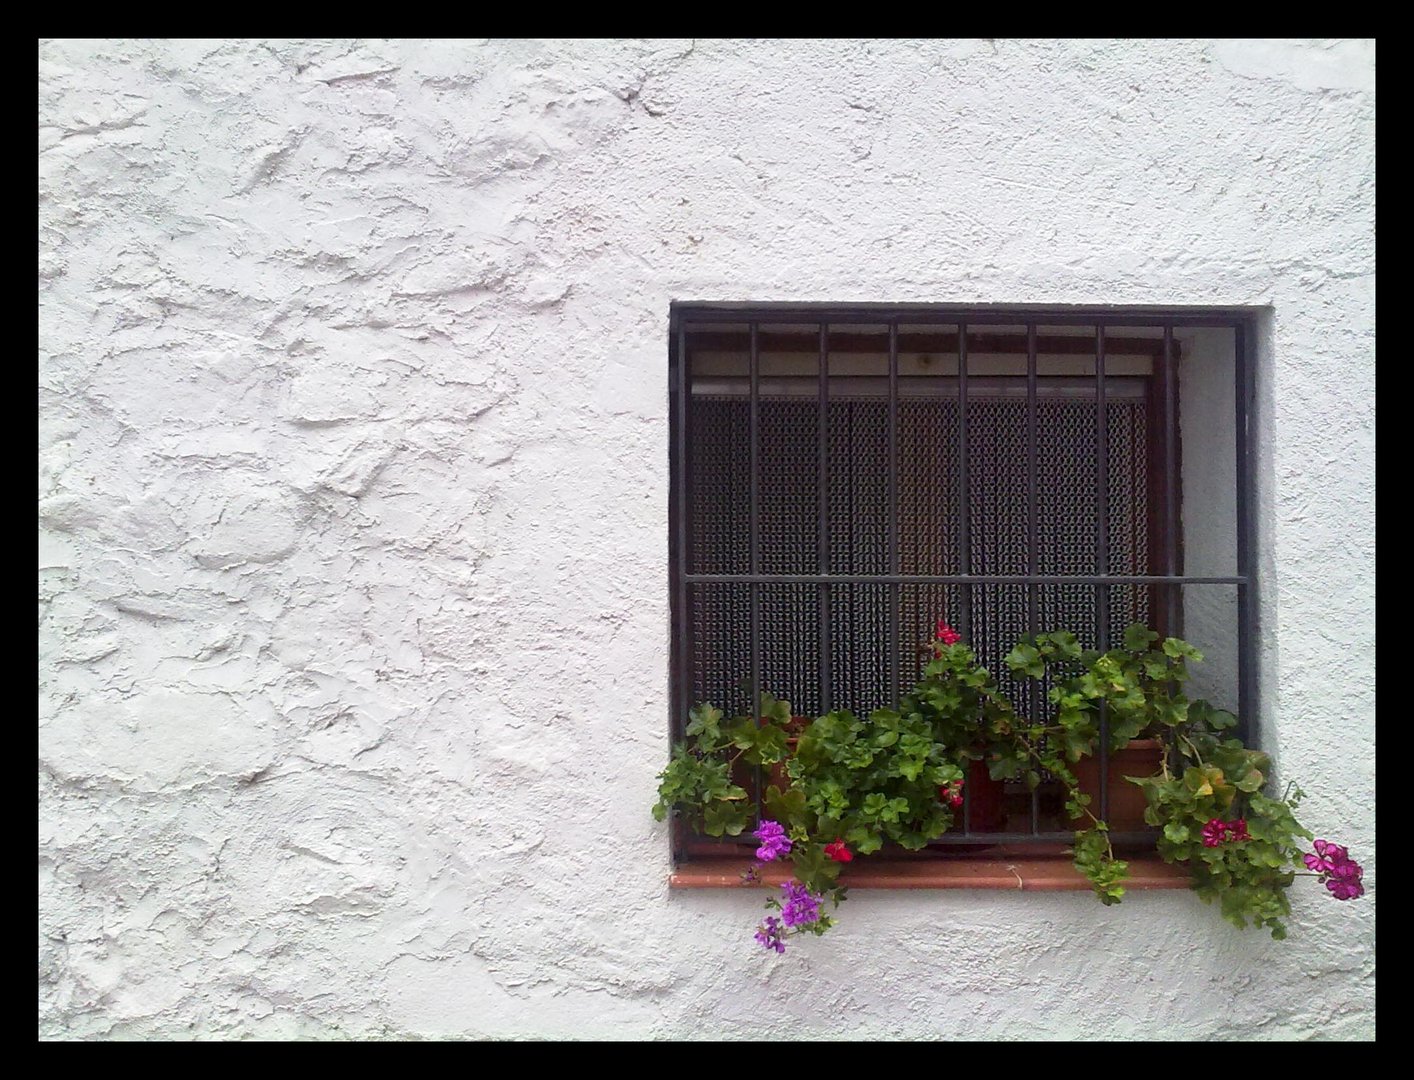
x: 846, y: 786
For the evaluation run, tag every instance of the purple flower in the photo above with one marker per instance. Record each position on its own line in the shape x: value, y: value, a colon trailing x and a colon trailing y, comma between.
x: 774, y: 842
x: 799, y: 906
x: 769, y: 934
x: 749, y: 876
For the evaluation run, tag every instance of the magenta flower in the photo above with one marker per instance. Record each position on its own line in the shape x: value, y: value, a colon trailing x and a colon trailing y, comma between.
x: 1344, y: 882
x: 1218, y: 832
x: 1327, y: 857
x: 1340, y: 874
x: 774, y: 842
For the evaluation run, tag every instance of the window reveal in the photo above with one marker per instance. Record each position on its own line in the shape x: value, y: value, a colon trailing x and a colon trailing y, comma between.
x: 843, y: 477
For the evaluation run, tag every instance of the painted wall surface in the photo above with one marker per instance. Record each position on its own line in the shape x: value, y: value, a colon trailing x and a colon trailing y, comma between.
x: 1207, y: 391
x: 353, y: 503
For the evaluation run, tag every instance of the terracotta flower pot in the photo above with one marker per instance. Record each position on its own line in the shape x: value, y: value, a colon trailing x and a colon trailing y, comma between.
x: 777, y: 772
x: 1141, y: 757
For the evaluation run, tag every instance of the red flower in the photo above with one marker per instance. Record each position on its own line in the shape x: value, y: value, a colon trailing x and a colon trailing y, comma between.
x: 946, y: 634
x: 838, y: 851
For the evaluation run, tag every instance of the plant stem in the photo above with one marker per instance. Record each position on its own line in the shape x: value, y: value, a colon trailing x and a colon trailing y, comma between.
x: 1189, y: 741
x: 1109, y: 847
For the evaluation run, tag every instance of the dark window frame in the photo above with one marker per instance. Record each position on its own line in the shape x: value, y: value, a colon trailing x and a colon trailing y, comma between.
x: 1164, y: 501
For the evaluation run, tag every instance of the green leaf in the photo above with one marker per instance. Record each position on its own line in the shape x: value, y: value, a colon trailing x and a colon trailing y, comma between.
x: 1177, y: 647
x: 1026, y: 659
x: 770, y: 745
x: 1220, y: 718
x: 786, y: 806
x: 1137, y: 637
x: 704, y: 720
x: 1251, y: 782
x: 741, y: 732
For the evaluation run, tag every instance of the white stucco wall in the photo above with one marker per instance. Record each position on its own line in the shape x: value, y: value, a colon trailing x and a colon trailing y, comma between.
x: 353, y: 496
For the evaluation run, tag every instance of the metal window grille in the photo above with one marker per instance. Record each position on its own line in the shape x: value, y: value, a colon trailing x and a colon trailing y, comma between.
x: 827, y: 507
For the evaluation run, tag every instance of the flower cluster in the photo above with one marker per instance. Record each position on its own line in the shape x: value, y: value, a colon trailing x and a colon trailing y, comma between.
x: 951, y: 794
x: 1338, y: 871
x: 774, y: 842
x: 770, y: 933
x: 1218, y: 832
x: 839, y: 852
x: 799, y: 906
x: 946, y: 634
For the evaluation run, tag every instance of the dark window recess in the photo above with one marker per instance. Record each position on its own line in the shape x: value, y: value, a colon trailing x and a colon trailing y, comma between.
x: 842, y: 478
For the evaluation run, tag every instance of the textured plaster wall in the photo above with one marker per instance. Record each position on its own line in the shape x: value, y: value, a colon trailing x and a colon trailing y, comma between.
x: 353, y: 504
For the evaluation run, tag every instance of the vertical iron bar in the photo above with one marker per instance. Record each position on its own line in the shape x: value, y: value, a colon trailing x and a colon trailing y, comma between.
x: 964, y: 517
x: 678, y: 476
x: 1102, y: 555
x: 1173, y: 614
x: 755, y: 544
x: 964, y: 531
x: 1031, y: 607
x: 1246, y: 597
x: 896, y: 590
x: 823, y: 538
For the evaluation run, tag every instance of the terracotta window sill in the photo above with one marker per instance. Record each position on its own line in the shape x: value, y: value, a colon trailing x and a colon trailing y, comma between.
x: 1036, y: 873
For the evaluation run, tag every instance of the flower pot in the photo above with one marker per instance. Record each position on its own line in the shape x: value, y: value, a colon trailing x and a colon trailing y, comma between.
x: 776, y: 774
x: 1141, y: 757
x: 986, y: 807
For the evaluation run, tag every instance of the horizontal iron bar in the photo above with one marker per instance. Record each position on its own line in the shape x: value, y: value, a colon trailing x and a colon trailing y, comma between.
x: 959, y: 837
x: 1038, y: 837
x: 717, y: 312
x: 804, y: 341
x: 957, y: 579
x: 847, y: 387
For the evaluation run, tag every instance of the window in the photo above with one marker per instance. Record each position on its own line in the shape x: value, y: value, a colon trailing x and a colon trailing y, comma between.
x: 842, y: 477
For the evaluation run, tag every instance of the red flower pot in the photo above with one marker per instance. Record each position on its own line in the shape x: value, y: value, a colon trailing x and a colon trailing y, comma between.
x: 1141, y: 757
